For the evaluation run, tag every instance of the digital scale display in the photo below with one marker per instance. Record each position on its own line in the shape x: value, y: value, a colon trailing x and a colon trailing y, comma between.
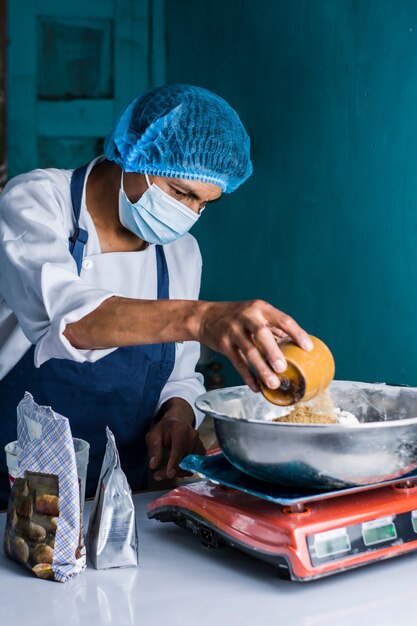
x: 341, y: 543
x: 331, y: 542
x: 378, y: 530
x: 414, y: 520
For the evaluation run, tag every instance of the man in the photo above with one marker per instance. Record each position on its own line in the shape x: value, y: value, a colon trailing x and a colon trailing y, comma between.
x: 99, y: 282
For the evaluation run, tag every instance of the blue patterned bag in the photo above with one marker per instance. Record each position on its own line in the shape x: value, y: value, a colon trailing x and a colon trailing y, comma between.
x: 44, y: 530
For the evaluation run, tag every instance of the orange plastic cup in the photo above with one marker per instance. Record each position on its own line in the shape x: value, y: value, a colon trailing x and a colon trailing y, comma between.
x: 307, y: 373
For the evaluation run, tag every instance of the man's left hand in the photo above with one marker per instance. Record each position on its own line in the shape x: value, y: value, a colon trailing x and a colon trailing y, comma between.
x: 171, y: 439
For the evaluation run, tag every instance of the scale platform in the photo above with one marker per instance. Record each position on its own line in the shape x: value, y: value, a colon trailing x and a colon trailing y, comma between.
x: 308, y: 534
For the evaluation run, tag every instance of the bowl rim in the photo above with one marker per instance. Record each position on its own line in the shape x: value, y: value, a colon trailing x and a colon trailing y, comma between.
x: 329, y: 428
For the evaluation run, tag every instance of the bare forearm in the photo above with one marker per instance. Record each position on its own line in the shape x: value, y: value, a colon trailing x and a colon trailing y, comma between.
x: 126, y: 322
x: 244, y: 331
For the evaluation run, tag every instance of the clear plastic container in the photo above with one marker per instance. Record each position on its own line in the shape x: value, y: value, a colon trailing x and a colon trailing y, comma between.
x: 81, y: 457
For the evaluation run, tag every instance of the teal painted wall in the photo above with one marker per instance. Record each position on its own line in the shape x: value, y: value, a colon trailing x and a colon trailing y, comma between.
x: 72, y: 67
x: 326, y: 228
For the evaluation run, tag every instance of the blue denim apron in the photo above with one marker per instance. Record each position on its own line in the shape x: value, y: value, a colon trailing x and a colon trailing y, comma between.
x: 121, y: 390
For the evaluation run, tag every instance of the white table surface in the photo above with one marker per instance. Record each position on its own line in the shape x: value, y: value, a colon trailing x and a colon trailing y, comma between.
x: 178, y: 582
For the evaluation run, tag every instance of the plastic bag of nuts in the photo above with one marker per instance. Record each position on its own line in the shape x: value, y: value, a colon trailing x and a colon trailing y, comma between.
x: 44, y: 527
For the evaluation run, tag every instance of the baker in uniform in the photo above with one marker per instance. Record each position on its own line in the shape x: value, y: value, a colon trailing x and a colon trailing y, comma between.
x: 99, y: 284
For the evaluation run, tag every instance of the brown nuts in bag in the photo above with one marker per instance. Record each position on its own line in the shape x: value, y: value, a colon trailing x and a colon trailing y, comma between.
x: 30, y: 527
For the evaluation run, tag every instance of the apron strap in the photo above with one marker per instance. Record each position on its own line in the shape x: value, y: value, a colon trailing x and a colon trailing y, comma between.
x: 162, y: 272
x: 79, y: 238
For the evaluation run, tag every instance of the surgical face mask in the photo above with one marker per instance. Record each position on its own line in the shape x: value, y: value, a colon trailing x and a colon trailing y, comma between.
x: 156, y: 217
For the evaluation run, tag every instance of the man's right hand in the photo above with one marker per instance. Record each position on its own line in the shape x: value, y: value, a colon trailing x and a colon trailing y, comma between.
x: 246, y: 333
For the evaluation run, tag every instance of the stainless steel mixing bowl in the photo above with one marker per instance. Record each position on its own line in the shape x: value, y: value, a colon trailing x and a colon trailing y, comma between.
x: 321, y: 456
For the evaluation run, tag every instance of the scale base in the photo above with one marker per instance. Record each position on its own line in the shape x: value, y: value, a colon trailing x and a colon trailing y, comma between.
x: 324, y: 538
x: 212, y: 537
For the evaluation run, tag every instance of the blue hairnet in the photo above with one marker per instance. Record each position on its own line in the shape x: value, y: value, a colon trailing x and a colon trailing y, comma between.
x: 181, y: 131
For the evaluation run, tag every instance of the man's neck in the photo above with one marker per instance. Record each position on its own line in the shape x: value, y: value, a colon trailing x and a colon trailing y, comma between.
x: 102, y: 200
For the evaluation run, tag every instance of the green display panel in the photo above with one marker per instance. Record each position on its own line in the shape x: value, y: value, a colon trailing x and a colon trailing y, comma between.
x: 378, y: 531
x: 331, y: 543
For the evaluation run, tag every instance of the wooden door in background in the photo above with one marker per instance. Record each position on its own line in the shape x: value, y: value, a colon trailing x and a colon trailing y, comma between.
x: 71, y: 68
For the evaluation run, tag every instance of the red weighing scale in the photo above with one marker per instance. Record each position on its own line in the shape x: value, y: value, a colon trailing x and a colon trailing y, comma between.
x: 306, y: 534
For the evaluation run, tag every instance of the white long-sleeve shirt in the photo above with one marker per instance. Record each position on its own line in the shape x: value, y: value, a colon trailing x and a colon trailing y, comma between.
x: 41, y: 292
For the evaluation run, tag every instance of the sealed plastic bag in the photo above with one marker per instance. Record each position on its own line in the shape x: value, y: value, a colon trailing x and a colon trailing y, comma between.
x: 44, y: 526
x: 112, y: 536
